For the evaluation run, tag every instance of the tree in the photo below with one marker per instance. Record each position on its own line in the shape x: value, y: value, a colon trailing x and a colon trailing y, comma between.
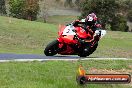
x: 108, y: 11
x: 31, y: 9
x: 57, y: 0
x: 68, y: 3
x: 44, y: 7
x: 105, y: 9
x: 25, y: 9
x: 2, y: 7
x: 77, y: 2
x: 119, y: 23
x: 125, y: 7
x: 128, y: 10
x: 16, y: 8
x: 129, y: 16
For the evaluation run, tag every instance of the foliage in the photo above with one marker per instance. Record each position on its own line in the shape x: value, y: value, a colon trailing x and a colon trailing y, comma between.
x: 129, y: 15
x: 68, y: 3
x: 128, y: 4
x: 107, y: 11
x: 125, y: 8
x: 31, y: 9
x: 25, y: 9
x: 44, y: 7
x: 16, y: 8
x: 77, y: 2
x: 2, y: 7
x: 129, y: 9
x: 119, y: 23
x: 57, y: 0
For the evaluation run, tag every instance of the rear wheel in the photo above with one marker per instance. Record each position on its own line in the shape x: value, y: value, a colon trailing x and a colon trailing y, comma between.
x: 82, y: 55
x: 90, y: 51
x: 93, y: 48
x: 52, y: 48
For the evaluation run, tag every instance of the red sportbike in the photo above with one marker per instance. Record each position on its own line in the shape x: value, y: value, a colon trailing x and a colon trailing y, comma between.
x: 70, y: 41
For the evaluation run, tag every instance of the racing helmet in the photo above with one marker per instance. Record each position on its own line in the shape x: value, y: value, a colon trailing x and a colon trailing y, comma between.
x: 91, y: 18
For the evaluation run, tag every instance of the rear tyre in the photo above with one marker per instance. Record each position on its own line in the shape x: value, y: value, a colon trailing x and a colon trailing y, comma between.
x: 52, y: 48
x: 93, y: 48
x: 82, y: 55
x: 90, y: 51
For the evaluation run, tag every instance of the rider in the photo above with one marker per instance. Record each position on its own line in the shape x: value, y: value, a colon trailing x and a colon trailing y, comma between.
x: 90, y: 24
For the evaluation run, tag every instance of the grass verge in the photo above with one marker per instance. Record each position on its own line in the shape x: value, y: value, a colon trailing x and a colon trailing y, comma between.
x: 21, y: 36
x: 56, y: 74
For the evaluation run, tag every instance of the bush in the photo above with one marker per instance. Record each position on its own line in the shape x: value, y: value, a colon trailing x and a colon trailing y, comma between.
x: 68, y: 3
x: 105, y: 9
x: 119, y: 23
x: 25, y: 9
x: 16, y: 8
x: 129, y: 16
x: 31, y: 9
x: 2, y: 7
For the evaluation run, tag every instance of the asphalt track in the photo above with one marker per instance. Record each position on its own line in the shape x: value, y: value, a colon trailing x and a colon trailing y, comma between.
x: 4, y: 57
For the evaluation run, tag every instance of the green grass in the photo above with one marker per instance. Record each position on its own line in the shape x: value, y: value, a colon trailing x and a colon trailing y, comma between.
x: 28, y: 37
x: 115, y: 44
x: 54, y: 74
x: 21, y: 36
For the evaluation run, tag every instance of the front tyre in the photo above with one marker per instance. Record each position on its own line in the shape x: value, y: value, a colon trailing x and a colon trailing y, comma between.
x: 52, y: 48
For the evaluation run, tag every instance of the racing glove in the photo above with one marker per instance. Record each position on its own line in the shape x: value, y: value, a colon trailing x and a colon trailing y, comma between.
x: 75, y: 23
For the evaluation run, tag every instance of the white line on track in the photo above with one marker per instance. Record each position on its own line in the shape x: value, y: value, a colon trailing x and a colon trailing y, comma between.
x: 25, y: 60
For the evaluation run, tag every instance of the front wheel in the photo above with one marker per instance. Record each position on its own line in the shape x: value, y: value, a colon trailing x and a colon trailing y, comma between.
x: 52, y: 48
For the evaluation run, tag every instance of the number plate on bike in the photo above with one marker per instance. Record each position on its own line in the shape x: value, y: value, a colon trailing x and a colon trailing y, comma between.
x: 69, y: 31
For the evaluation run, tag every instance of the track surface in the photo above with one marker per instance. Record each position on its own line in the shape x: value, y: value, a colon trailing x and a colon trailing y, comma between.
x: 33, y: 56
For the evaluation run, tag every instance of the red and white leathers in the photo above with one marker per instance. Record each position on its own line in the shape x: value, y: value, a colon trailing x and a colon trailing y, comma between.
x: 90, y: 24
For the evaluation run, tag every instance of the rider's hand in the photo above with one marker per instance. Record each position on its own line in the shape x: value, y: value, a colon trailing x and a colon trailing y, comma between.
x: 98, y: 25
x: 75, y: 23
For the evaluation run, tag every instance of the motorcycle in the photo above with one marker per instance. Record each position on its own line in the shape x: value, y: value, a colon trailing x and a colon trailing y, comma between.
x: 70, y: 41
